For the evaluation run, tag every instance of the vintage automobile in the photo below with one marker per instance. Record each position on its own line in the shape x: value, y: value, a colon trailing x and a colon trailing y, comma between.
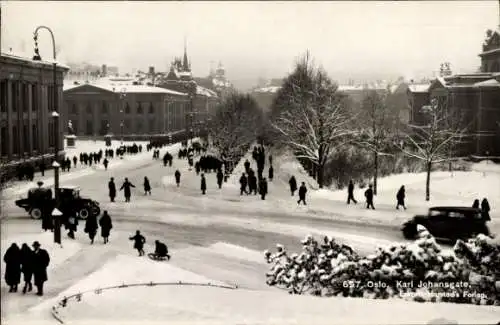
x: 448, y: 223
x: 70, y: 202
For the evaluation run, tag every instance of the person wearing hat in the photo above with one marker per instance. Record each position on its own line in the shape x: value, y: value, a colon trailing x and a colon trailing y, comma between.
x: 41, y: 261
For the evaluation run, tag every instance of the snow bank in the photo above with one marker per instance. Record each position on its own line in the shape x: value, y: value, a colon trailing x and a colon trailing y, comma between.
x: 207, y: 305
x: 237, y: 252
x: 286, y: 165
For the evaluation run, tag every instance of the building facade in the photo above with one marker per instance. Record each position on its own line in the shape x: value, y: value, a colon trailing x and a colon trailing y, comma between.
x: 490, y: 56
x: 26, y: 103
x: 99, y: 109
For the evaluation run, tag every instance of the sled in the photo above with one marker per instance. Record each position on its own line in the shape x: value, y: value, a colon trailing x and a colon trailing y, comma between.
x: 154, y: 257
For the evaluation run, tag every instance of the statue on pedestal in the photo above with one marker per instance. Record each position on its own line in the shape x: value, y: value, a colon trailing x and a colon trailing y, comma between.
x: 71, y: 131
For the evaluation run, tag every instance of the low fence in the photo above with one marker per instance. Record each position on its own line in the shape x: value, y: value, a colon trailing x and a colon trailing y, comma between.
x: 78, y: 296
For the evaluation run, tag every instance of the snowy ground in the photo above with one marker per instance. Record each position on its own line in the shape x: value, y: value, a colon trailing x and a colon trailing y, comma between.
x: 220, y: 237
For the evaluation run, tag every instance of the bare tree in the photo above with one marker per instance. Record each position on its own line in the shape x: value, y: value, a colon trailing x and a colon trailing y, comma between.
x: 432, y: 142
x: 236, y: 125
x: 377, y: 125
x: 311, y: 116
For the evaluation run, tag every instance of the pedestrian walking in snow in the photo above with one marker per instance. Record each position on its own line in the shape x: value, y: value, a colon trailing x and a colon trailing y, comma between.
x: 126, y: 187
x: 147, y: 186
x: 475, y: 204
x: 220, y: 178
x: 42, y: 168
x: 302, y: 193
x: 27, y: 267
x: 105, y: 163
x: 41, y: 261
x: 252, y: 182
x: 139, y: 242
x: 293, y: 184
x: 203, y: 184
x: 350, y: 193
x: 106, y: 226
x: 177, y: 177
x: 369, y: 197
x: 270, y: 159
x: 71, y: 225
x: 271, y: 173
x: 91, y: 227
x: 197, y: 168
x: 243, y: 184
x: 263, y: 188
x: 75, y: 160
x: 12, y: 259
x: 246, y: 165
x: 112, y: 189
x: 400, y: 197
x: 485, y: 209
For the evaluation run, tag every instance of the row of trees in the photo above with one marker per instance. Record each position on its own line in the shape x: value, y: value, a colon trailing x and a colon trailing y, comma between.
x: 314, y: 119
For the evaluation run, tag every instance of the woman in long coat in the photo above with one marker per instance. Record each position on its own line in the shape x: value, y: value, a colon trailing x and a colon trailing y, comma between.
x: 91, y: 227
x: 203, y: 184
x: 147, y: 186
x: 27, y: 267
x: 12, y: 259
x: 106, y: 226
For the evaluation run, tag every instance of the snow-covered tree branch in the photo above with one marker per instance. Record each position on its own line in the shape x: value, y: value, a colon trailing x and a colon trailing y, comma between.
x: 434, y: 142
x: 311, y: 116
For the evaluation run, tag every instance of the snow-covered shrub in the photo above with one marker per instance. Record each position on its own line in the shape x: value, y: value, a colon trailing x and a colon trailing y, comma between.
x: 421, y: 271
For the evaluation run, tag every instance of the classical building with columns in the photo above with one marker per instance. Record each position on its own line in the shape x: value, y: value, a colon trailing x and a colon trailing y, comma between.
x: 26, y: 104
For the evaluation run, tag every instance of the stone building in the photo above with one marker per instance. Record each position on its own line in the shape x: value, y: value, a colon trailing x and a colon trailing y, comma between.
x: 490, y: 57
x: 26, y: 104
x: 121, y: 108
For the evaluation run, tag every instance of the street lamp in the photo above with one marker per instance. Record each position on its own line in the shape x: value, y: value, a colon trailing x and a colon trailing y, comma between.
x: 55, y: 116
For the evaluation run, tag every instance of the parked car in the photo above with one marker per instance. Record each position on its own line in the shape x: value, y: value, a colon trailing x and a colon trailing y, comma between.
x: 70, y: 202
x: 448, y: 223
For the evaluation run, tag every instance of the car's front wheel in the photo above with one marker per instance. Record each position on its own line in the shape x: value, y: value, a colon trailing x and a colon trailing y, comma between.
x: 36, y: 213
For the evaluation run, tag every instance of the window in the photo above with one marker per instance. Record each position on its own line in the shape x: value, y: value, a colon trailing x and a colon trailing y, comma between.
x: 15, y: 140
x: 5, y: 141
x: 151, y: 108
x: 74, y: 109
x: 139, y: 126
x: 34, y: 98
x: 25, y: 91
x: 127, y: 125
x: 26, y: 137
x: 127, y: 108
x: 139, y: 108
x: 34, y: 136
x: 152, y: 128
x: 89, y: 130
x: 3, y: 96
x: 51, y: 133
x: 50, y: 99
x: 104, y: 108
x: 88, y: 109
x: 14, y: 96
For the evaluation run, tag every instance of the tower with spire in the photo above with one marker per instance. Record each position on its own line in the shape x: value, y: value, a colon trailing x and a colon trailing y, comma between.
x: 490, y: 57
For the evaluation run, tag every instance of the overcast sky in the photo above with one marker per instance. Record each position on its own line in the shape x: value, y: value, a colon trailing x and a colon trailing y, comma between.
x: 252, y: 39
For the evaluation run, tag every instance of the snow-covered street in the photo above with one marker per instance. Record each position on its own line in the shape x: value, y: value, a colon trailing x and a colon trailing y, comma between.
x: 217, y: 237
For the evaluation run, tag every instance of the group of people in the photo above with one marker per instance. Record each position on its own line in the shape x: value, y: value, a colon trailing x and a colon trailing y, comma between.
x: 161, y: 249
x: 31, y: 263
x: 485, y: 208
x: 369, y: 195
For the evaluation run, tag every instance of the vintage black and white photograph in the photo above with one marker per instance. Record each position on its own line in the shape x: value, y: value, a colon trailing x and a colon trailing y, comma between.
x: 250, y: 162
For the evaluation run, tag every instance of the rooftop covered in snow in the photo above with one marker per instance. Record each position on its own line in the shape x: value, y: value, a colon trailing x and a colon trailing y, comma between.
x: 48, y: 62
x: 129, y: 88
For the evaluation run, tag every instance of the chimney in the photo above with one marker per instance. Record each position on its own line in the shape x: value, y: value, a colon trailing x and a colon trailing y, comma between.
x: 104, y: 70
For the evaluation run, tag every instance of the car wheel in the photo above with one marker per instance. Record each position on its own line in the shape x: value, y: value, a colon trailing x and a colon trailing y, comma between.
x: 84, y: 213
x: 410, y: 231
x: 96, y: 210
x: 36, y: 213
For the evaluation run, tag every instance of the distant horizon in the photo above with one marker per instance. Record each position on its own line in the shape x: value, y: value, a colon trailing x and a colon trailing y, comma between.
x: 362, y: 41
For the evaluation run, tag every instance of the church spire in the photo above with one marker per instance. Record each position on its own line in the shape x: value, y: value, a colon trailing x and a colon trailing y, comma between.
x: 185, y: 62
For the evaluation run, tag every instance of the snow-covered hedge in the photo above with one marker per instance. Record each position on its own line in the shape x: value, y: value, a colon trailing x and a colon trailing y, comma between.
x: 421, y: 271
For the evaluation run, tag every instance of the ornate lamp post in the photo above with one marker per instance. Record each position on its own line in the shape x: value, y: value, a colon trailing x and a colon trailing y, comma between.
x: 55, y: 115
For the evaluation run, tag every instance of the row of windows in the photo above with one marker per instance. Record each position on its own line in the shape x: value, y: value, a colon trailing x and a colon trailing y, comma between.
x: 16, y: 149
x: 141, y: 107
x: 19, y: 94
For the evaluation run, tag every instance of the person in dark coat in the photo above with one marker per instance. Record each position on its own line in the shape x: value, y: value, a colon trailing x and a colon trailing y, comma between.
x: 126, y: 189
x: 42, y: 168
x: 293, y: 184
x: 147, y: 186
x: 12, y: 259
x: 197, y: 167
x: 252, y: 182
x: 243, y: 184
x: 139, y: 242
x: 177, y: 177
x: 400, y: 197
x: 369, y: 197
x: 246, y: 165
x: 106, y: 226
x: 475, y: 205
x: 485, y: 209
x: 161, y: 250
x: 105, y: 162
x: 302, y: 193
x: 27, y: 267
x: 203, y: 184
x: 263, y: 188
x: 75, y: 160
x: 112, y: 189
x: 350, y: 193
x: 271, y: 173
x: 220, y: 178
x: 91, y: 227
x: 71, y: 225
x: 41, y: 261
